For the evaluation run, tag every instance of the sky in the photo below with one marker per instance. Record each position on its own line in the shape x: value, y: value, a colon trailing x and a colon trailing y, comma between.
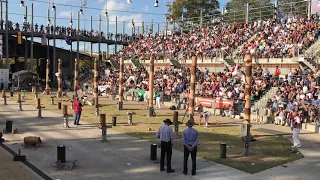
x: 139, y: 10
x: 144, y: 10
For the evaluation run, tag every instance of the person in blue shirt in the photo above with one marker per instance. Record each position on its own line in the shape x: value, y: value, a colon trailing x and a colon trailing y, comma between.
x: 314, y: 102
x: 190, y: 141
x: 165, y: 134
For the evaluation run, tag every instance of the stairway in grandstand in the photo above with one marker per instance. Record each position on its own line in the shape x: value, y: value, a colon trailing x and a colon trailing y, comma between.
x: 309, y: 56
x: 86, y: 77
x: 175, y: 63
x: 239, y: 48
x: 308, y: 62
x: 114, y: 63
x: 230, y: 59
x: 229, y: 63
x: 313, y: 49
x: 262, y: 102
x: 136, y: 63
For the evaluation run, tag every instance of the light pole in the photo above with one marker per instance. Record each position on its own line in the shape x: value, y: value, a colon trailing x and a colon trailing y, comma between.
x: 7, y: 35
x: 99, y: 44
x: 168, y: 5
x: 25, y: 22
x: 84, y: 5
x: 71, y: 51
x: 49, y: 22
x: 54, y: 41
x: 78, y: 35
x: 116, y: 36
x: 31, y: 47
x: 108, y: 36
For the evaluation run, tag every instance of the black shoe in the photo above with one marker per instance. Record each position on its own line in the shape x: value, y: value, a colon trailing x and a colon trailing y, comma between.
x: 170, y: 171
x: 78, y: 124
x: 194, y: 173
x: 162, y: 170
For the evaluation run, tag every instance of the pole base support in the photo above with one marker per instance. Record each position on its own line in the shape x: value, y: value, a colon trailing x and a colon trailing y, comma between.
x: 190, y: 116
x: 65, y: 123
x: 104, y: 134
x: 47, y: 91
x: 119, y: 106
x: 97, y: 110
x: 150, y: 112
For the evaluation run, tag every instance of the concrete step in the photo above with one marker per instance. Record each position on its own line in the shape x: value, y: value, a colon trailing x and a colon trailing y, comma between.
x: 311, y: 127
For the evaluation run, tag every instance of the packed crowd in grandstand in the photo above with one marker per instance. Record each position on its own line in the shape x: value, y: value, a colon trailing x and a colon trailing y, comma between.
x: 264, y: 39
x: 268, y: 38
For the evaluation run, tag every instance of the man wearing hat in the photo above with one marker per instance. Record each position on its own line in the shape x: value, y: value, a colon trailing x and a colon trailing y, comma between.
x: 190, y: 141
x: 165, y: 134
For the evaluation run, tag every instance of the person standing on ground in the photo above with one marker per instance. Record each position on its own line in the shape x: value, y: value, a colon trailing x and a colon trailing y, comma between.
x: 296, y: 131
x: 190, y: 141
x: 77, y: 108
x: 158, y: 98
x: 165, y: 134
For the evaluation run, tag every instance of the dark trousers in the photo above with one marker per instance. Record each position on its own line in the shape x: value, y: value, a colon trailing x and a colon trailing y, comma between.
x: 193, y: 158
x: 166, y: 149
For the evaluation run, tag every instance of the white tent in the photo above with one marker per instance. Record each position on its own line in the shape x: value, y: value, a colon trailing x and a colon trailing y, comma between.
x: 23, y: 79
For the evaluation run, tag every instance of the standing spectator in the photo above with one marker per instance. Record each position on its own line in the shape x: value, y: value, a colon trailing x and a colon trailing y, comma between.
x: 158, y: 98
x: 206, y: 117
x: 296, y: 131
x: 277, y: 73
x: 165, y: 134
x: 77, y: 108
x: 190, y: 141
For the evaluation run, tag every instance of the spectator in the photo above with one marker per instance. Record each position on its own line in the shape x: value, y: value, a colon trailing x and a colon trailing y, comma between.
x: 77, y: 108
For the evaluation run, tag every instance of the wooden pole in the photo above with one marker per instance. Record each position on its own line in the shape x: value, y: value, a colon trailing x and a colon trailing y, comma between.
x: 151, y: 74
x: 65, y: 110
x: 76, y: 73
x: 192, y: 87
x: 96, y: 81
x: 248, y: 73
x: 59, y: 78
x: 47, y: 77
x: 120, y: 103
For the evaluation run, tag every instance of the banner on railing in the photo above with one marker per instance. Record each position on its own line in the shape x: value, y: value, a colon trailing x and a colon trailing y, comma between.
x: 19, y: 37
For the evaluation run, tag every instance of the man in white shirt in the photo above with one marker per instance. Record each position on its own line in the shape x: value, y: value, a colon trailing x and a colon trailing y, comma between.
x: 296, y: 131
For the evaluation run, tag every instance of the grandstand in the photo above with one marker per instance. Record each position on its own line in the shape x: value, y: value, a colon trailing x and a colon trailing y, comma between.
x: 285, y: 48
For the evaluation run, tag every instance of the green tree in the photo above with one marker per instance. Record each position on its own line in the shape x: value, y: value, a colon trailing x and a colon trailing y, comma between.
x: 190, y: 9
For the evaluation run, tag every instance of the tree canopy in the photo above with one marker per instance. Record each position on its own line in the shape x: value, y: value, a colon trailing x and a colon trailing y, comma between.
x: 237, y: 5
x: 191, y: 8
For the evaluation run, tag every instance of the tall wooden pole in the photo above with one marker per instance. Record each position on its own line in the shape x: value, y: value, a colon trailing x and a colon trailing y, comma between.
x: 120, y: 103
x: 95, y: 83
x: 59, y: 78
x: 248, y: 73
x: 192, y: 87
x: 151, y: 74
x: 76, y: 73
x: 47, y: 77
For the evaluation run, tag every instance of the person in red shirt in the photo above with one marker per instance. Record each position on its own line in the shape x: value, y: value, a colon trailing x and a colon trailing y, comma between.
x: 277, y: 73
x: 77, y: 108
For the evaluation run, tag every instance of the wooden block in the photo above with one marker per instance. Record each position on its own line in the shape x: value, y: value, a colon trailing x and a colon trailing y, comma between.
x: 32, y: 140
